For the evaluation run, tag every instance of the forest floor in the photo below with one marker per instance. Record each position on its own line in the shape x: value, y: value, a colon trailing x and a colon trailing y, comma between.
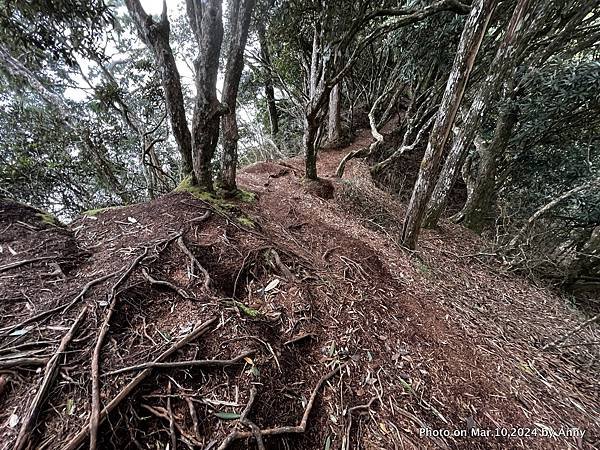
x: 309, y: 327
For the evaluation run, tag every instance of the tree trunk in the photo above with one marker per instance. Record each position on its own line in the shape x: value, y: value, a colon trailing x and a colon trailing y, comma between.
x: 503, y: 59
x: 468, y: 48
x: 479, y: 208
x: 268, y: 80
x: 311, y: 129
x: 241, y: 12
x: 334, y: 128
x: 206, y: 20
x: 156, y: 36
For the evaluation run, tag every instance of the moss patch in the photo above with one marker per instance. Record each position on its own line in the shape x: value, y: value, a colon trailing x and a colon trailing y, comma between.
x: 48, y: 219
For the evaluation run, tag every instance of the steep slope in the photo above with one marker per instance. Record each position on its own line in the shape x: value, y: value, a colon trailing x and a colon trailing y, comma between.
x: 317, y: 310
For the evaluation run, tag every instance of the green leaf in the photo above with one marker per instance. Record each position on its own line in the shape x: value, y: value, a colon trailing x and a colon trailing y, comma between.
x: 328, y: 443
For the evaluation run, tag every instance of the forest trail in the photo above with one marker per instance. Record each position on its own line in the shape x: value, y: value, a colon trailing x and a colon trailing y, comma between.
x: 307, y: 277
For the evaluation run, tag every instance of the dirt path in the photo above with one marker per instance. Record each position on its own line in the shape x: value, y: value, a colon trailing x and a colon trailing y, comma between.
x: 308, y: 278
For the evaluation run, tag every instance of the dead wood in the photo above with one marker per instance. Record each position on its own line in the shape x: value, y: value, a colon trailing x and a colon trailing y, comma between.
x: 29, y: 420
x: 199, y: 330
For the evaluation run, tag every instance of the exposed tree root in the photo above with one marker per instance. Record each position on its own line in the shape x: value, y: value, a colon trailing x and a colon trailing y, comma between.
x: 16, y: 264
x: 153, y: 281
x: 236, y: 435
x: 198, y: 331
x: 194, y: 262
x: 205, y: 363
x: 24, y: 438
x: 63, y: 307
x: 95, y: 415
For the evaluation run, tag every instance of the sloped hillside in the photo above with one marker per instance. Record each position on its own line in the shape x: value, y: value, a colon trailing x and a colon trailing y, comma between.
x: 292, y: 320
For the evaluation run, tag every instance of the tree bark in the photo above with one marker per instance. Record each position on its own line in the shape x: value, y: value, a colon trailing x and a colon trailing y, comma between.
x: 268, y: 80
x: 503, y: 59
x: 479, y: 208
x: 241, y: 13
x: 334, y: 128
x: 468, y: 48
x: 156, y: 36
x: 311, y: 129
x: 206, y: 20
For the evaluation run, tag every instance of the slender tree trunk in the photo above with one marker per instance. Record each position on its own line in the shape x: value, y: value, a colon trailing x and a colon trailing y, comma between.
x: 551, y: 205
x: 206, y: 20
x: 503, y: 59
x: 479, y: 208
x: 268, y: 80
x: 468, y: 48
x: 241, y: 12
x: 156, y: 36
x: 311, y: 129
x: 334, y: 128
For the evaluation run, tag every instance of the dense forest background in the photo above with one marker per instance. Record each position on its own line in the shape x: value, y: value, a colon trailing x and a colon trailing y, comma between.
x: 104, y: 105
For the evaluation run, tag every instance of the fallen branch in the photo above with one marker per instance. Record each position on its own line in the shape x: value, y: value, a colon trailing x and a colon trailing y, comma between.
x: 206, y: 363
x: 153, y: 281
x: 25, y: 433
x: 95, y: 414
x: 194, y: 262
x: 301, y: 428
x: 578, y: 328
x: 198, y: 331
x: 16, y: 264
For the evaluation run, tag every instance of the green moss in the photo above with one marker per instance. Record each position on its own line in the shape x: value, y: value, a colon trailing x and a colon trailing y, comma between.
x: 245, y: 196
x: 245, y: 221
x: 218, y: 201
x: 250, y: 312
x: 48, y: 219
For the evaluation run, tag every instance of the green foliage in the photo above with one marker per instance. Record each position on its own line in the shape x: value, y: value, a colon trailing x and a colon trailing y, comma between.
x: 53, y: 29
